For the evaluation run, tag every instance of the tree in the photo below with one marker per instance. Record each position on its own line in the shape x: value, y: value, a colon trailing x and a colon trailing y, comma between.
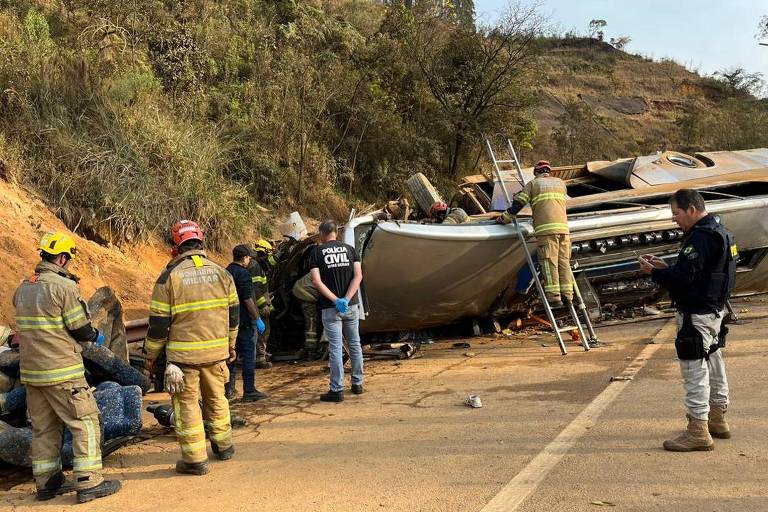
x: 741, y: 81
x: 596, y: 27
x: 479, y: 78
x: 620, y: 42
x: 762, y: 27
x: 578, y: 137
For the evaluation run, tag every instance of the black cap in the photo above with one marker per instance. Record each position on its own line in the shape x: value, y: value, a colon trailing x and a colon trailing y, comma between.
x: 241, y: 251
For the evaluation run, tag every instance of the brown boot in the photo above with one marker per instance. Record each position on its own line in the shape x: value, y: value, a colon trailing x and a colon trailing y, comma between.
x: 718, y: 427
x: 695, y: 439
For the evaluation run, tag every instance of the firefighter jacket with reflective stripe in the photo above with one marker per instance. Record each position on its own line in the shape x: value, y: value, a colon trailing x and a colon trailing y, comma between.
x: 547, y: 196
x: 194, y: 312
x: 456, y: 216
x: 260, y: 284
x: 304, y: 290
x: 51, y: 318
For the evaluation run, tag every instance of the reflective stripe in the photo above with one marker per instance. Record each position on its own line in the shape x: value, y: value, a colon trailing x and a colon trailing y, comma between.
x: 259, y: 279
x: 197, y: 345
x: 550, y: 227
x: 199, y: 305
x: 734, y: 251
x: 261, y: 301
x: 221, y: 436
x: 43, y: 466
x: 552, y: 288
x: 94, y: 452
x: 233, y: 299
x: 192, y: 447
x: 549, y: 196
x: 52, y: 376
x: 191, y: 431
x: 153, y: 345
x: 86, y: 463
x: 198, y: 260
x: 34, y: 323
x: 74, y: 314
x: 223, y: 422
x: 521, y: 197
x: 177, y: 424
x: 159, y: 307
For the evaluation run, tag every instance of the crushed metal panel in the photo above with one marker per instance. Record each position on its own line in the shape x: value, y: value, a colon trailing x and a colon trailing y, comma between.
x: 421, y: 276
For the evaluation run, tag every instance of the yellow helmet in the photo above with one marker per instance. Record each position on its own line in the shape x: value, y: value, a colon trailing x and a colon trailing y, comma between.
x: 262, y: 245
x: 58, y: 243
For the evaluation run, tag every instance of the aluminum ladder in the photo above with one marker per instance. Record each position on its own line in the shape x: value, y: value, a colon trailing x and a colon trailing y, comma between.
x: 536, y: 271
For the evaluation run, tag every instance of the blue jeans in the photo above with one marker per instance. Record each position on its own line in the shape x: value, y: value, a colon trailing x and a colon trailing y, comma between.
x: 335, y: 325
x: 246, y: 354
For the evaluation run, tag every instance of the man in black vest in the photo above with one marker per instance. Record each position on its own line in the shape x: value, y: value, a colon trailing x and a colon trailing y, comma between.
x: 699, y: 283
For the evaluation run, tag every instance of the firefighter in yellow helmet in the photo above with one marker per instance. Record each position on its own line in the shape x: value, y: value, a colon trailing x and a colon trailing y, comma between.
x: 193, y: 317
x: 548, y: 196
x: 260, y: 268
x: 53, y: 321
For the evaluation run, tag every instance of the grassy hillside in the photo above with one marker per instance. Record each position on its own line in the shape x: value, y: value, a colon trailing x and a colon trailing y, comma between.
x: 126, y: 116
x: 596, y: 102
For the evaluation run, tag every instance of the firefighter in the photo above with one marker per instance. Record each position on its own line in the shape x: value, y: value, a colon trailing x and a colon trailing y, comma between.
x: 441, y: 214
x: 547, y: 196
x: 699, y: 284
x: 308, y: 296
x: 194, y: 315
x: 260, y: 268
x: 53, y: 321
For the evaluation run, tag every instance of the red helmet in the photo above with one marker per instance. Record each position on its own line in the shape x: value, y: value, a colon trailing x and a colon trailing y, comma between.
x: 186, y: 230
x: 438, y: 209
x: 542, y: 166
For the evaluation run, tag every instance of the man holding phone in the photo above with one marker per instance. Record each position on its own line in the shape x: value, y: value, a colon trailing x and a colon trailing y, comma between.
x: 699, y: 284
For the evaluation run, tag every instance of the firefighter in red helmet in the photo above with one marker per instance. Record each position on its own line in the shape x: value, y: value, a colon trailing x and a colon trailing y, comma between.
x: 194, y: 315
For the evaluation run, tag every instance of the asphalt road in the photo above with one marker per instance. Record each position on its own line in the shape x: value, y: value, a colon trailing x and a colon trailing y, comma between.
x: 554, y: 434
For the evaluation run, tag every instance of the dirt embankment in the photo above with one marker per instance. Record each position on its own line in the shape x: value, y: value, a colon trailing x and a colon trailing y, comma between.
x: 130, y: 271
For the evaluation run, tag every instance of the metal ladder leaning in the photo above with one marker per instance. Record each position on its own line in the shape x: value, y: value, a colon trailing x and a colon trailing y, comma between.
x: 535, y: 271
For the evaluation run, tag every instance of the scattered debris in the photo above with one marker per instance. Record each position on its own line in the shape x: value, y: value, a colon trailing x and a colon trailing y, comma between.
x: 461, y: 344
x: 474, y: 401
x: 602, y: 503
x: 391, y: 351
x: 120, y: 411
x: 621, y: 378
x: 469, y: 354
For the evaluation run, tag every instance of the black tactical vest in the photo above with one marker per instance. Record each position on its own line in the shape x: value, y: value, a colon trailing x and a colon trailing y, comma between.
x: 722, y: 279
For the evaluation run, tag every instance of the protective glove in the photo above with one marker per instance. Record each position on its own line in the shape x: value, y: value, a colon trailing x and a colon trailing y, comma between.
x: 259, y: 325
x: 99, y: 341
x: 342, y: 305
x: 174, y: 379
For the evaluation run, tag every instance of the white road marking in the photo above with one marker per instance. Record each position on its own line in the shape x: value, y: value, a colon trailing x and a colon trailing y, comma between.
x: 526, y: 481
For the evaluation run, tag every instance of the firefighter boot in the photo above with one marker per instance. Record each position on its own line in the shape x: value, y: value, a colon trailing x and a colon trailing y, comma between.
x: 695, y: 439
x: 224, y: 454
x: 192, y: 468
x: 56, y: 484
x: 105, y: 488
x: 718, y: 427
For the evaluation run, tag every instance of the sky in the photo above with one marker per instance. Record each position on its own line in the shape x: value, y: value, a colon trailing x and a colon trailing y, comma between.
x: 703, y: 35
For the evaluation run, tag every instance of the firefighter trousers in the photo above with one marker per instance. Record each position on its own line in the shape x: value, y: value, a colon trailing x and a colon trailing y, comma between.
x: 555, y: 261
x: 72, y: 404
x: 261, y: 341
x: 310, y: 325
x: 206, y: 383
